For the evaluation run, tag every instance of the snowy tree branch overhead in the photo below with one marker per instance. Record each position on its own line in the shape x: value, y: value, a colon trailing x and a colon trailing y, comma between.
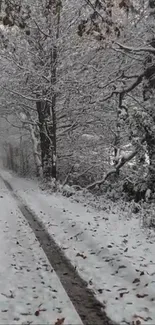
x: 148, y: 49
x: 122, y: 160
x: 86, y: 78
x: 27, y: 98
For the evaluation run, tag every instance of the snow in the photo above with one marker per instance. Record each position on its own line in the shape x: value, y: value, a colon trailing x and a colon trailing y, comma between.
x: 28, y: 283
x: 90, y: 136
x: 110, y: 250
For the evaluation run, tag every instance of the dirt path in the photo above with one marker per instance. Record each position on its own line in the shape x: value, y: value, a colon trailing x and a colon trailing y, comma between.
x: 88, y: 308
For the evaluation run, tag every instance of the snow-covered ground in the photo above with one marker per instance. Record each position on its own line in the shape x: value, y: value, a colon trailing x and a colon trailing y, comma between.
x: 30, y: 291
x: 110, y: 251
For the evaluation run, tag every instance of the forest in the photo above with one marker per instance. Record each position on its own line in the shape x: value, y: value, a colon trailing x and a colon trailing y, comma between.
x: 77, y: 94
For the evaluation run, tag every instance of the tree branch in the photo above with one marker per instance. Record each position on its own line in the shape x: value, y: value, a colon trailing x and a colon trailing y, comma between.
x: 40, y: 30
x: 28, y: 98
x: 124, y: 159
x: 136, y: 49
x: 126, y: 90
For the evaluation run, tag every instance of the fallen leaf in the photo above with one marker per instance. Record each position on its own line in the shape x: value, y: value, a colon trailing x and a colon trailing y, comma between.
x: 136, y: 280
x: 122, y: 267
x: 4, y: 310
x: 146, y: 285
x: 138, y: 322
x: 81, y: 255
x: 123, y: 293
x: 37, y: 312
x: 16, y: 319
x: 8, y: 296
x: 122, y: 289
x: 137, y: 319
x: 59, y: 321
x: 142, y: 296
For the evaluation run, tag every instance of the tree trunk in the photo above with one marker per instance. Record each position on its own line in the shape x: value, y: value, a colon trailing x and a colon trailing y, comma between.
x: 150, y: 140
x: 46, y: 110
x: 53, y: 108
x: 46, y: 139
x: 36, y: 152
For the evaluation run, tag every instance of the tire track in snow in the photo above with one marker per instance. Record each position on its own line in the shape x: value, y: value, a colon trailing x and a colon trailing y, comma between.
x: 89, y: 309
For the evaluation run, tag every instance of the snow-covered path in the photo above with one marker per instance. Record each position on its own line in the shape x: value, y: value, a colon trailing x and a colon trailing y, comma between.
x: 111, y: 252
x: 30, y: 291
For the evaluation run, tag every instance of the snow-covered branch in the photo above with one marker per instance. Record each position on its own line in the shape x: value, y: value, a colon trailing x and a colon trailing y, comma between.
x: 148, y: 49
x: 123, y: 159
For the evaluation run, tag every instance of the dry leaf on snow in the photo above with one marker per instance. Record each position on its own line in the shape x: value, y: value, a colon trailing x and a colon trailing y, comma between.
x: 59, y: 321
x: 81, y: 255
